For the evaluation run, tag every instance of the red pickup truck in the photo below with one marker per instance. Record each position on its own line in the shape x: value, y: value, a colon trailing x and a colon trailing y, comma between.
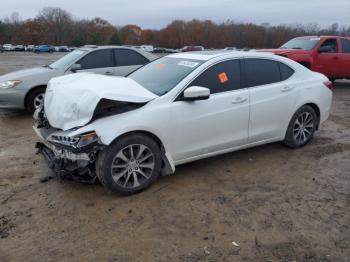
x: 329, y: 55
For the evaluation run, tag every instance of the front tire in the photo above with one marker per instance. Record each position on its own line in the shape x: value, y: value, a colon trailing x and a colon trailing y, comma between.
x: 301, y: 127
x: 130, y: 164
x: 35, y: 99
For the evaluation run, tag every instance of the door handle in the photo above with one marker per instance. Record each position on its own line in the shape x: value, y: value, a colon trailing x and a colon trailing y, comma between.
x: 239, y: 100
x: 287, y: 88
x: 108, y: 73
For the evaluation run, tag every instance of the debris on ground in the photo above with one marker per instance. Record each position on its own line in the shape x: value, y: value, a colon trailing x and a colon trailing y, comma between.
x: 45, y: 179
x: 235, y: 244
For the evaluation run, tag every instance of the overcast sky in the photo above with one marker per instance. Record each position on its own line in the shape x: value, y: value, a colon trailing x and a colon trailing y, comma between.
x: 158, y: 13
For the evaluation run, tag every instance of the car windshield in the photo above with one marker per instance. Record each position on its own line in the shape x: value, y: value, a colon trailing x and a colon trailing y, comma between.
x: 303, y: 44
x: 67, y: 59
x: 162, y: 75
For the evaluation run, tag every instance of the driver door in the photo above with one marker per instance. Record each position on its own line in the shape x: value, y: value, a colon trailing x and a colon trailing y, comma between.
x: 215, y: 124
x: 327, y: 63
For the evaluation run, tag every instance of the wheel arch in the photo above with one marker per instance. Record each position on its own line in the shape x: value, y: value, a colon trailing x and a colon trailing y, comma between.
x: 168, y: 166
x: 317, y: 111
x: 30, y: 91
x: 314, y: 106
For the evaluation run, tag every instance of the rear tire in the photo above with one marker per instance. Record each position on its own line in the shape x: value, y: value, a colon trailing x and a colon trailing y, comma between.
x: 301, y: 127
x: 130, y: 164
x: 35, y: 99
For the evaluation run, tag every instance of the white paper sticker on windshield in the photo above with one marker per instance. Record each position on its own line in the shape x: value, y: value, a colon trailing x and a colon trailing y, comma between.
x: 315, y: 39
x: 188, y: 64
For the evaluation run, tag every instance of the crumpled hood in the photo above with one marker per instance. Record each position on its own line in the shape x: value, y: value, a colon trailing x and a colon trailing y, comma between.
x: 70, y: 100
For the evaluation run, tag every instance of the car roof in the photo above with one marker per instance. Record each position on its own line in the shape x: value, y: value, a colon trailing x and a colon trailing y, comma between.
x: 208, y: 55
x: 319, y: 36
x: 144, y: 53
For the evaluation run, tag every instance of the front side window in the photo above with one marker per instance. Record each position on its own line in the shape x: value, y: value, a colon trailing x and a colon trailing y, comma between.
x: 221, y: 77
x: 346, y: 45
x: 125, y: 57
x: 332, y: 44
x: 97, y: 59
x: 162, y: 75
x: 261, y: 72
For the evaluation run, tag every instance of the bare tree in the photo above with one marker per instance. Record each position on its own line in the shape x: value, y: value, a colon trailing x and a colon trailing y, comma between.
x: 58, y: 22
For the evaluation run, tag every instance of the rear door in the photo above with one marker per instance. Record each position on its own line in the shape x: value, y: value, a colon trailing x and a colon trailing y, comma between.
x: 98, y: 61
x: 344, y: 58
x: 127, y: 60
x: 328, y: 63
x: 272, y: 98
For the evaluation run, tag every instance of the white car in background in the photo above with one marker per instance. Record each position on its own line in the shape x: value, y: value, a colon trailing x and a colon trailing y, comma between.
x: 147, y: 48
x: 174, y: 110
x: 8, y: 47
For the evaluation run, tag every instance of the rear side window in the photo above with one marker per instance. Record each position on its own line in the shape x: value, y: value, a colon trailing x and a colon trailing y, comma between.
x: 261, y: 72
x: 222, y: 77
x: 286, y: 71
x: 346, y: 45
x: 97, y: 59
x: 125, y: 57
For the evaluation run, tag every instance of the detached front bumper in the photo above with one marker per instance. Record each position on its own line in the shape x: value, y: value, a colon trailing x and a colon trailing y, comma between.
x: 65, y: 163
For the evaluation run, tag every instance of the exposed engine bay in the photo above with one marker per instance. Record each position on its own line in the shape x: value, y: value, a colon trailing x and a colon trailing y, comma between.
x: 74, y: 157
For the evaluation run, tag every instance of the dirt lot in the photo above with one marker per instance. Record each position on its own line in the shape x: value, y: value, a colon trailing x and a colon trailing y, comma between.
x: 277, y: 204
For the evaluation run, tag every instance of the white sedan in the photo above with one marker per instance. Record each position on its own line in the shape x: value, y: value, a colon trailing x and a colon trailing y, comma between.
x: 125, y: 131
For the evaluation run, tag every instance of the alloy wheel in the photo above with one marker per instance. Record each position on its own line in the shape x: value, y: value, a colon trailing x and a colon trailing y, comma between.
x: 39, y: 100
x: 303, y: 127
x: 133, y: 166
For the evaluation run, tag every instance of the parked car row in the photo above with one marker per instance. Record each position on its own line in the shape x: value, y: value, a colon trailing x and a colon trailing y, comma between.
x: 33, y: 48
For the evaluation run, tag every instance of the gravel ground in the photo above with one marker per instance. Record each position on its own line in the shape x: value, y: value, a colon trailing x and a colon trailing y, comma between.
x: 268, y: 203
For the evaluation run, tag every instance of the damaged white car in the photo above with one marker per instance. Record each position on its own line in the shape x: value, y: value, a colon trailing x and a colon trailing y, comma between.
x: 177, y: 109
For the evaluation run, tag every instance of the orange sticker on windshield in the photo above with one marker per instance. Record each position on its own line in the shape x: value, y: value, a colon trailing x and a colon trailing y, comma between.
x: 160, y: 66
x: 223, y: 77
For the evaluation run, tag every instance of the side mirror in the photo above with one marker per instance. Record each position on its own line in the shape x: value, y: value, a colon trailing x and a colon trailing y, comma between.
x: 196, y: 93
x: 325, y: 49
x: 75, y: 68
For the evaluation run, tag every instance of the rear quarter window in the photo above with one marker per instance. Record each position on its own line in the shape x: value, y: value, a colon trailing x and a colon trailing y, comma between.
x: 286, y: 71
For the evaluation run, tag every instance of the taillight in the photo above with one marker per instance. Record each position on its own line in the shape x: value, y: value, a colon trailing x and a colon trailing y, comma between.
x: 329, y: 84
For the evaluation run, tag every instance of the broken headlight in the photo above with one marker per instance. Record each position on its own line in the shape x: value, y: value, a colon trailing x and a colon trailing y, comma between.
x: 78, y: 141
x: 87, y: 139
